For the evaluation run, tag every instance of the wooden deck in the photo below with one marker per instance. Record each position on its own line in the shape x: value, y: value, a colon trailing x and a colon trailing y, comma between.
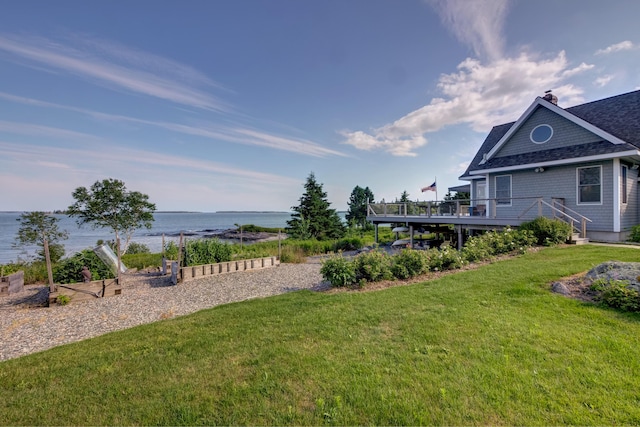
x: 459, y: 218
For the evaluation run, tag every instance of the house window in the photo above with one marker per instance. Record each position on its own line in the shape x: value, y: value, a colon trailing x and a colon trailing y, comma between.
x: 503, y: 190
x: 624, y: 184
x: 541, y: 134
x: 590, y: 185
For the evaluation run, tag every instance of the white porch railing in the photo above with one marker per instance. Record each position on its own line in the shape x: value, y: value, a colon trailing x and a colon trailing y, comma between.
x: 515, y: 208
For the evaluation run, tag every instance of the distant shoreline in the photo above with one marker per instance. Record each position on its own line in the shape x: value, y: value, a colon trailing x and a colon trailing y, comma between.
x: 254, y: 212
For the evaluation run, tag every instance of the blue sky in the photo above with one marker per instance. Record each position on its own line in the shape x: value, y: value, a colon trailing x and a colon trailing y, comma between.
x: 211, y: 105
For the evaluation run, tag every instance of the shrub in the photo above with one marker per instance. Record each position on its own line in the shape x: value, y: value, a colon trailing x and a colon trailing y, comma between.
x: 373, y: 266
x: 142, y: 260
x: 450, y: 258
x: 137, y: 248
x: 349, y: 244
x: 617, y: 294
x: 69, y: 270
x: 206, y: 251
x: 409, y: 263
x: 63, y: 299
x: 171, y: 250
x: 548, y: 232
x: 635, y: 234
x: 293, y: 255
x: 339, y: 271
x: 487, y: 245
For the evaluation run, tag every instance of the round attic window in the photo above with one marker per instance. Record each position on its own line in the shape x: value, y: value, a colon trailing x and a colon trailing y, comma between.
x: 541, y: 134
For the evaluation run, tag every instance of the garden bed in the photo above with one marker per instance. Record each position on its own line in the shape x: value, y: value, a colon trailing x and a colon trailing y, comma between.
x: 79, y: 292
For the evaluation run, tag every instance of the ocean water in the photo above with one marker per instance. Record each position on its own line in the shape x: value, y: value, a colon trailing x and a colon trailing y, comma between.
x: 171, y: 224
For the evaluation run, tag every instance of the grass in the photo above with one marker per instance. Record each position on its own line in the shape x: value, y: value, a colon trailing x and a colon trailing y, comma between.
x: 485, y: 346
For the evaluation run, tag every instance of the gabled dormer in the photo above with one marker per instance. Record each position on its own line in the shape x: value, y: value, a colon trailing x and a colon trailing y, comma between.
x: 546, y: 134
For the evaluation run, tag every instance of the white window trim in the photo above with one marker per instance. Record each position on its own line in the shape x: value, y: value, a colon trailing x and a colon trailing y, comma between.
x: 624, y: 188
x: 617, y: 194
x: 495, y: 182
x: 535, y: 128
x: 578, y: 202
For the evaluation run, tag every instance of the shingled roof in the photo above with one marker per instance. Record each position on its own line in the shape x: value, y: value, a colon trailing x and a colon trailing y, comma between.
x: 618, y: 116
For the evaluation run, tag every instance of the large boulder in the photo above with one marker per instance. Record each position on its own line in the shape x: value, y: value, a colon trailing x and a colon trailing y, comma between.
x: 628, y: 272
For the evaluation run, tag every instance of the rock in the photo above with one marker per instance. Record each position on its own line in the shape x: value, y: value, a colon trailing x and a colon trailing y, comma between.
x: 560, y: 288
x: 619, y: 271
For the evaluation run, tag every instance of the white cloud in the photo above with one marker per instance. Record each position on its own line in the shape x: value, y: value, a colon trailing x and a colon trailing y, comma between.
x: 603, y: 80
x: 478, y: 95
x: 477, y: 24
x: 238, y: 135
x: 625, y: 45
x: 149, y: 75
x: 132, y: 159
x: 31, y: 129
x: 400, y: 145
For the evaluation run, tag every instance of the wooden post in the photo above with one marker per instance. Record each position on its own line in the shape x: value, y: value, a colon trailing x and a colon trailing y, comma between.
x: 119, y: 261
x: 47, y: 257
x: 162, y: 245
x: 539, y: 206
x: 279, y: 245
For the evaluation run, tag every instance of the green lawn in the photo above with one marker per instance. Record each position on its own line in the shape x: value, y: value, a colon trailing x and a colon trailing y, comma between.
x: 485, y: 346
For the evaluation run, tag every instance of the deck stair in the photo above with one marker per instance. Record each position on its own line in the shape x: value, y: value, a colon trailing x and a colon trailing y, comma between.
x: 575, y: 239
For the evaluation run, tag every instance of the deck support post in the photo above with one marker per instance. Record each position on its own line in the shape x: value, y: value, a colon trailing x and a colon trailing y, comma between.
x: 411, y: 236
x: 376, y: 232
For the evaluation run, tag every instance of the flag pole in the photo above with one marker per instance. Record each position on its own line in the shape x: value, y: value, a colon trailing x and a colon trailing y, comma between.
x: 435, y: 181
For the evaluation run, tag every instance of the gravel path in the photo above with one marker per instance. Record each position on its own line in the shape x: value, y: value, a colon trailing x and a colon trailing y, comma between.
x: 26, y: 327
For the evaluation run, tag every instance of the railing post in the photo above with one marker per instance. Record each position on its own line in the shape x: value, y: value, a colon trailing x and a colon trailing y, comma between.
x: 429, y: 209
x: 539, y: 206
x: 458, y: 208
x: 384, y: 205
x: 405, y: 208
x: 584, y: 228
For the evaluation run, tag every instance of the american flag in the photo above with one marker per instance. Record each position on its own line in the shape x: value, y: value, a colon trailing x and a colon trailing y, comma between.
x: 432, y: 187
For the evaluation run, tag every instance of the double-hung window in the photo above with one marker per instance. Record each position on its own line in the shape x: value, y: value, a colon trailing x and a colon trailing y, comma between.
x: 503, y: 190
x: 589, y: 185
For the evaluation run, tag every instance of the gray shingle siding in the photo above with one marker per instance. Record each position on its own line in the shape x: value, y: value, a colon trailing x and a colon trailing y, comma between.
x: 557, y: 182
x: 565, y: 133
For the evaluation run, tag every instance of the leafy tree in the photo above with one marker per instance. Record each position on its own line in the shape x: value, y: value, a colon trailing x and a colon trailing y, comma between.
x: 313, y: 217
x: 108, y: 204
x: 357, y: 214
x: 35, y: 228
x: 404, y: 197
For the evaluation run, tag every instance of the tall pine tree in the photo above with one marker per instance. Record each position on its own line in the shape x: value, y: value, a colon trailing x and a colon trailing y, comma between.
x: 357, y: 214
x: 314, y: 218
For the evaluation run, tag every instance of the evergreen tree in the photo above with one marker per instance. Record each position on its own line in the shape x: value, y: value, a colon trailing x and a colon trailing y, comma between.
x: 357, y: 214
x: 313, y: 217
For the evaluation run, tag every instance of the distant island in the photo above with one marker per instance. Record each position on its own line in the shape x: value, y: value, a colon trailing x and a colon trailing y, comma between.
x: 252, y: 212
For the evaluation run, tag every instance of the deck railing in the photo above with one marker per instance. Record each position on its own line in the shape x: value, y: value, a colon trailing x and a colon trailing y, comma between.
x: 515, y: 208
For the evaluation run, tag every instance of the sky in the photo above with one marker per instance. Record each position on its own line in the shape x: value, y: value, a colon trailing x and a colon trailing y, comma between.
x: 213, y: 105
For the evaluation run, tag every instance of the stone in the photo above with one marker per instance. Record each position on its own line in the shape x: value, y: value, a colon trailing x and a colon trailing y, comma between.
x: 628, y: 272
x: 560, y: 288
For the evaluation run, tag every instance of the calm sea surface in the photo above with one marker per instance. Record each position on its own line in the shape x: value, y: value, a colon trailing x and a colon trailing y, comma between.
x: 171, y: 224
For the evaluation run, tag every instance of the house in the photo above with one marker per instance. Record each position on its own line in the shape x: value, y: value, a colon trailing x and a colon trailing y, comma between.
x: 581, y: 162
